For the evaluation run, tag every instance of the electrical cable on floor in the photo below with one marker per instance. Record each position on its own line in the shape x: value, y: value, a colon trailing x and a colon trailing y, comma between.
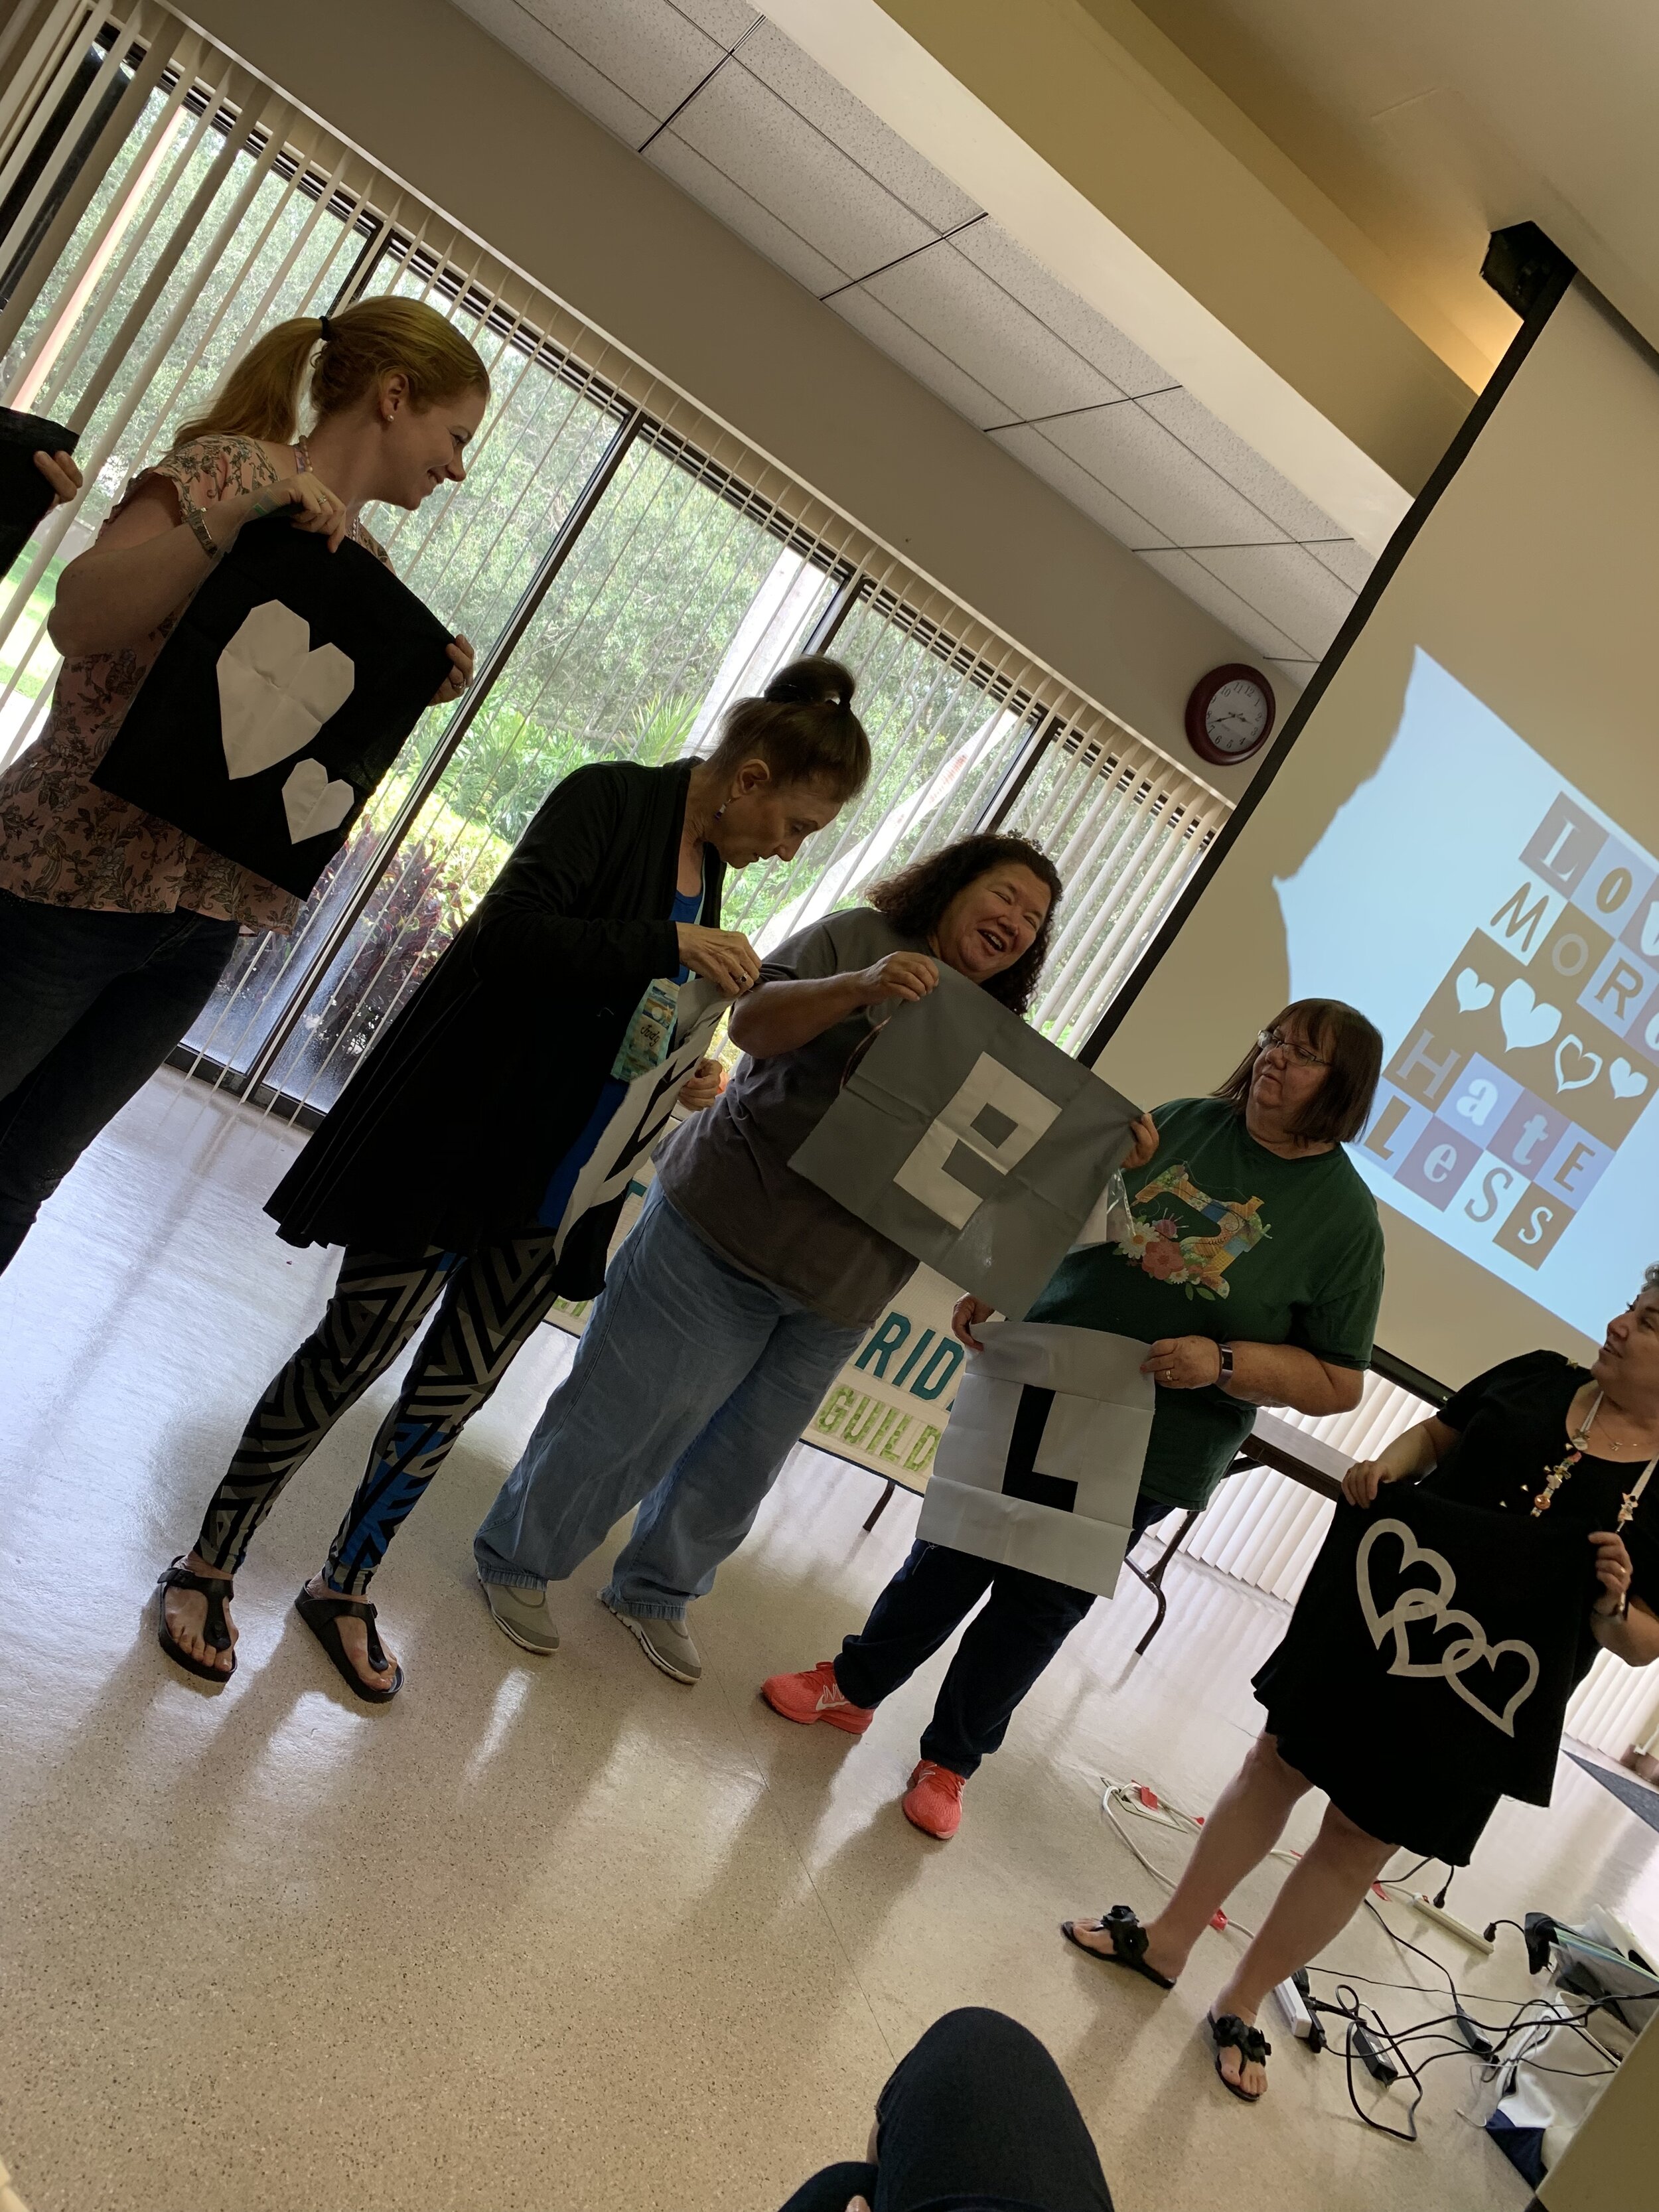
x: 1367, y: 2038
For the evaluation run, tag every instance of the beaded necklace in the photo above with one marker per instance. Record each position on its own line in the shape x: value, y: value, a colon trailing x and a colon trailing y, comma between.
x: 303, y: 452
x: 1555, y: 1476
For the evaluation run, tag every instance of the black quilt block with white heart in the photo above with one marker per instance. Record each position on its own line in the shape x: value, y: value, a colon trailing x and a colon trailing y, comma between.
x: 25, y: 494
x: 284, y: 695
x: 1427, y: 1667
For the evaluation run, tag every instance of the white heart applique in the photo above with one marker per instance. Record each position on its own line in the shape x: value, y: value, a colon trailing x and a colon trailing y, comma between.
x: 311, y: 802
x: 1472, y: 992
x: 275, y: 691
x: 1421, y: 1603
x: 1628, y: 1082
x: 1526, y: 1020
x: 1586, y: 1058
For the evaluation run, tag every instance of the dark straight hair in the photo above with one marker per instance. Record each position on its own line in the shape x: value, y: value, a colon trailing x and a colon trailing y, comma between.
x: 914, y: 900
x: 803, y: 726
x: 1338, y: 1110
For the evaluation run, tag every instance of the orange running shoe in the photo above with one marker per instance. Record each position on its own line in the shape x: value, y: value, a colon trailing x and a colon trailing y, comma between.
x: 933, y: 1801
x: 816, y: 1696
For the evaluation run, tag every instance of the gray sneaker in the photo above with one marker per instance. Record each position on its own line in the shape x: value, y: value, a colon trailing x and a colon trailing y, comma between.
x: 519, y: 1610
x: 666, y: 1643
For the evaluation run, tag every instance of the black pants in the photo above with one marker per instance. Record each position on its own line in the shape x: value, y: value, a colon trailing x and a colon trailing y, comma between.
x: 977, y: 2113
x: 91, y: 1004
x: 1025, y: 1622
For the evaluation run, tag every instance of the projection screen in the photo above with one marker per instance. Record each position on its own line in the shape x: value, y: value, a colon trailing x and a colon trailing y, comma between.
x: 1459, y: 836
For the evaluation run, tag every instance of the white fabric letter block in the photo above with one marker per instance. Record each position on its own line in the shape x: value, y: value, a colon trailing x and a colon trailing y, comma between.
x: 1013, y: 1100
x: 276, y: 692
x: 1040, y: 1464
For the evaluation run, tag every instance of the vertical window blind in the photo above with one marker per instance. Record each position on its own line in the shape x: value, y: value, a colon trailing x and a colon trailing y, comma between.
x: 625, y: 564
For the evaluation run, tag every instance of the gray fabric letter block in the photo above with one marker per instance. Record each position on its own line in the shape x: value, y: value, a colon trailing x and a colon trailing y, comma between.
x: 971, y: 1141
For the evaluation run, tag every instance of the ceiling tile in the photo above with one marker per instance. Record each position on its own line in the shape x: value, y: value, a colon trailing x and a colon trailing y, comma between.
x: 656, y: 54
x: 1148, y: 466
x: 780, y: 159
x: 957, y: 308
x: 844, y: 120
x: 1229, y: 457
x: 593, y: 91
x: 1294, y: 591
x: 913, y: 352
x: 725, y: 21
x: 1035, y: 287
x: 738, y: 211
x: 1075, y: 483
x: 1209, y: 591
x: 1345, y: 559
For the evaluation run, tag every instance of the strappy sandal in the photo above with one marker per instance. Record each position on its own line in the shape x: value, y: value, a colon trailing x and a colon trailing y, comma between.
x: 1229, y: 2033
x: 321, y: 1615
x: 1129, y: 1943
x: 216, y: 1629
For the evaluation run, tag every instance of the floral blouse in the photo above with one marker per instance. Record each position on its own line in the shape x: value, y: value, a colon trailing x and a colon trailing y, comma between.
x: 65, y: 841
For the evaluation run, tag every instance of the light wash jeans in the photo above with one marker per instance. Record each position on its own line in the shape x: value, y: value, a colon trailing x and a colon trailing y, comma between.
x: 692, y: 1383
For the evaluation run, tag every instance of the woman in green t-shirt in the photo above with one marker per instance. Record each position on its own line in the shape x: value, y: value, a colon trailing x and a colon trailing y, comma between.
x: 1254, y: 1271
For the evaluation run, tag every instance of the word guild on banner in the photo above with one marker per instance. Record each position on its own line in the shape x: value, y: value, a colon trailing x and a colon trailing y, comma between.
x: 1538, y: 1051
x: 878, y: 1414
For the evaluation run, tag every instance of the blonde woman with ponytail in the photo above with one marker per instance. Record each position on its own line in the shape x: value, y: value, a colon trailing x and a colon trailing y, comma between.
x: 114, y: 925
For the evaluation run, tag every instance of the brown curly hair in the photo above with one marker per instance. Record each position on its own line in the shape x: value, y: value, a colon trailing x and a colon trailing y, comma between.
x: 914, y: 901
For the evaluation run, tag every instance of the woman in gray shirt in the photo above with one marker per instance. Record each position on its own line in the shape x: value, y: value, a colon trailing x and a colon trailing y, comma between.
x: 744, y: 1289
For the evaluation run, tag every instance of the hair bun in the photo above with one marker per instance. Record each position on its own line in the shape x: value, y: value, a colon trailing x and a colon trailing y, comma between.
x: 814, y: 681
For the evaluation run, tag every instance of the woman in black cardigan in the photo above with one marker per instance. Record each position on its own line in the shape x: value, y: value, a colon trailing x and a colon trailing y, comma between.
x: 446, y: 1166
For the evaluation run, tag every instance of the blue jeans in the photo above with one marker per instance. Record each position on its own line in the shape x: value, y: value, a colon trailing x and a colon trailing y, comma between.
x: 1007, y: 1646
x: 91, y: 1004
x: 692, y: 1384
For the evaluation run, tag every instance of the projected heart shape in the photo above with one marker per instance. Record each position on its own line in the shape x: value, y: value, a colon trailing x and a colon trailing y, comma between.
x: 1585, y: 1059
x: 1472, y: 992
x: 1419, y: 1602
x: 1526, y: 1020
x: 1628, y: 1082
x: 311, y: 802
x: 275, y: 690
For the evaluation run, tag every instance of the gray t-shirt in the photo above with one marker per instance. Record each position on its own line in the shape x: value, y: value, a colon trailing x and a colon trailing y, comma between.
x: 727, y: 1170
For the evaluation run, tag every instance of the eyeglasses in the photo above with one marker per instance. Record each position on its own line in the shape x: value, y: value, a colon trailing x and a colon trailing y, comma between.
x: 1303, y: 1056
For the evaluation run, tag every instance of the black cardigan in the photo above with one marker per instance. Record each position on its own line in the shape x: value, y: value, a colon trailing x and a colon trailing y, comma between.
x: 449, y: 1133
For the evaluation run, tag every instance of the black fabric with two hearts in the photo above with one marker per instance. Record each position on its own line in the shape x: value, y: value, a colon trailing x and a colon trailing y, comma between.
x: 284, y: 695
x: 25, y: 494
x: 1427, y: 1667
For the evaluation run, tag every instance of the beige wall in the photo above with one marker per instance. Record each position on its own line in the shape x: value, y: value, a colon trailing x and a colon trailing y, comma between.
x: 425, y: 93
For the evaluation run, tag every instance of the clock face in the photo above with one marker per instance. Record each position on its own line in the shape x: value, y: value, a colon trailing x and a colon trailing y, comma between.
x: 1235, y: 718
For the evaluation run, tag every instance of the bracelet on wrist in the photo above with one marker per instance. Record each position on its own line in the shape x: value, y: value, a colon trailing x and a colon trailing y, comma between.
x: 1620, y: 1611
x: 196, y: 523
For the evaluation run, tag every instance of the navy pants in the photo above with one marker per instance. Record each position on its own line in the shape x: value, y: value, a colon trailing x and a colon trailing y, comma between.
x: 1023, y: 1625
x: 977, y: 2113
x: 91, y: 1004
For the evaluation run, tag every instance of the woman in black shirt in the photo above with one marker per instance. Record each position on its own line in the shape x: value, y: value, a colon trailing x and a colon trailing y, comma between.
x: 1576, y: 1449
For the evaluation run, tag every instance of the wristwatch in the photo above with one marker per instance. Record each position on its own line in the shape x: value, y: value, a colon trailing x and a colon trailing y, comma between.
x: 1226, y: 1374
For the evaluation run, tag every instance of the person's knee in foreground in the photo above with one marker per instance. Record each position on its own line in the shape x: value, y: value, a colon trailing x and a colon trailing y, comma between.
x: 450, y: 1163
x: 1534, y: 1428
x: 1254, y: 1270
x: 977, y: 2113
x: 744, y: 1288
x: 115, y: 926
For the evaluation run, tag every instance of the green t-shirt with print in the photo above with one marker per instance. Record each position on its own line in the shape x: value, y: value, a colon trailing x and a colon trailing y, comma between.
x: 1233, y: 1243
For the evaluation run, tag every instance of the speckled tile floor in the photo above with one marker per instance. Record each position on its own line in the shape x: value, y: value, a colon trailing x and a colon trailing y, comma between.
x: 560, y: 1933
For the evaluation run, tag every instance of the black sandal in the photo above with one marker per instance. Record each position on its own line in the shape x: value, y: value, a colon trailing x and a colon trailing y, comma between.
x: 1129, y: 1943
x: 321, y: 1615
x: 1229, y: 2033
x: 216, y: 1629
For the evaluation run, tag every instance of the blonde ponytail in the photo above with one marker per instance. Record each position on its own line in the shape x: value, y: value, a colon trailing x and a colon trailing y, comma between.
x: 261, y: 397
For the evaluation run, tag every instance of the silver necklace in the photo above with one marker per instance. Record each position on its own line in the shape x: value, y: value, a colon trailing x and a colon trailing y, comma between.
x: 355, y: 532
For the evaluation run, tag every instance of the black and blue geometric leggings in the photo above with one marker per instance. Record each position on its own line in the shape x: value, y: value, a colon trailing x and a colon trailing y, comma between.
x: 492, y: 1303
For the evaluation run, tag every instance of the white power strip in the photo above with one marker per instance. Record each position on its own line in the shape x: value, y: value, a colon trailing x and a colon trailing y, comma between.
x: 1430, y: 1911
x: 1298, y: 2018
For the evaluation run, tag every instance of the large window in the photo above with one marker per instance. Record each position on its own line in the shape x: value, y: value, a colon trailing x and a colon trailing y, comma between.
x: 622, y: 568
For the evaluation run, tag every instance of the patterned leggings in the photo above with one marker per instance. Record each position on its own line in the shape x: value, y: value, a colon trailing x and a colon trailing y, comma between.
x: 492, y: 1303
